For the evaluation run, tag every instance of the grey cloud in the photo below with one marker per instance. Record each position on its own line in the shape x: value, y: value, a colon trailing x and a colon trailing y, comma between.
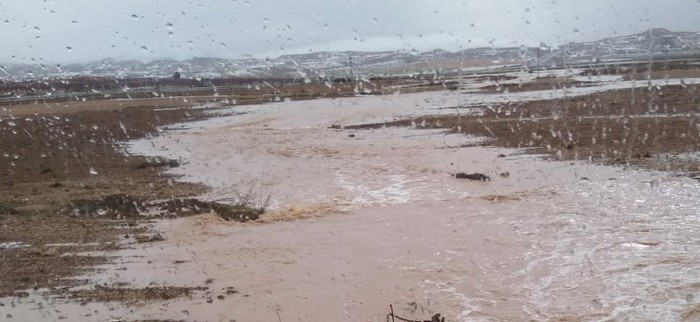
x: 43, y: 30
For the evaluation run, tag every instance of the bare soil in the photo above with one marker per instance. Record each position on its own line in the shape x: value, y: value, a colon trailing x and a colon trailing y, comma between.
x: 55, y: 169
x: 24, y: 269
x: 134, y: 295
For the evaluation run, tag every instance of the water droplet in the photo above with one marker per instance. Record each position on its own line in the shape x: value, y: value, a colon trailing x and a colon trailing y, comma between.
x: 74, y: 22
x: 69, y: 48
x: 169, y: 26
x: 223, y: 45
x: 93, y: 172
x: 375, y: 20
x: 4, y: 70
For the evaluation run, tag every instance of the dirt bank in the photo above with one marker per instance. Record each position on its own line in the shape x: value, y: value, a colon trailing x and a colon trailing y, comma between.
x: 651, y: 128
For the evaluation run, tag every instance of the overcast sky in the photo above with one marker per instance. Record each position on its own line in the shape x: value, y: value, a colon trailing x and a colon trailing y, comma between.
x: 66, y: 31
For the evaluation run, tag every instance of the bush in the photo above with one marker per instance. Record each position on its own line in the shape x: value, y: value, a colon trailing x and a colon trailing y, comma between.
x: 238, y: 212
x: 242, y: 210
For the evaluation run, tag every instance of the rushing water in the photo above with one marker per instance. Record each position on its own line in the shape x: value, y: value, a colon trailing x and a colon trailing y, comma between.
x: 388, y: 225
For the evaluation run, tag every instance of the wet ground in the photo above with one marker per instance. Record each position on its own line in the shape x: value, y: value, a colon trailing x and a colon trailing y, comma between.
x: 49, y: 163
x: 368, y: 217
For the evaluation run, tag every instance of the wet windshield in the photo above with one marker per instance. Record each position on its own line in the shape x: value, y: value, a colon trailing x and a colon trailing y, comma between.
x: 256, y: 160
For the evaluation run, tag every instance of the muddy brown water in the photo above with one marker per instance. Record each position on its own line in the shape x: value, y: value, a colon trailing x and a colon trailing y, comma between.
x: 387, y: 224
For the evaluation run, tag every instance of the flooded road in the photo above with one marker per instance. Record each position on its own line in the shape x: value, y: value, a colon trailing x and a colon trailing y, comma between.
x: 361, y: 219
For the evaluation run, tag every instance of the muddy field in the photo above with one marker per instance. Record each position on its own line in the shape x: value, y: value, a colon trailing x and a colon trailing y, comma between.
x: 28, y: 98
x: 53, y: 163
x: 67, y: 187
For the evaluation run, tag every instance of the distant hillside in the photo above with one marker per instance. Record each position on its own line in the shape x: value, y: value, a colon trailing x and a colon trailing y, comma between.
x: 653, y: 43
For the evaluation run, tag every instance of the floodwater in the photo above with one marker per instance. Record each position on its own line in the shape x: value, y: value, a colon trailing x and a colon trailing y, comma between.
x: 361, y: 219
